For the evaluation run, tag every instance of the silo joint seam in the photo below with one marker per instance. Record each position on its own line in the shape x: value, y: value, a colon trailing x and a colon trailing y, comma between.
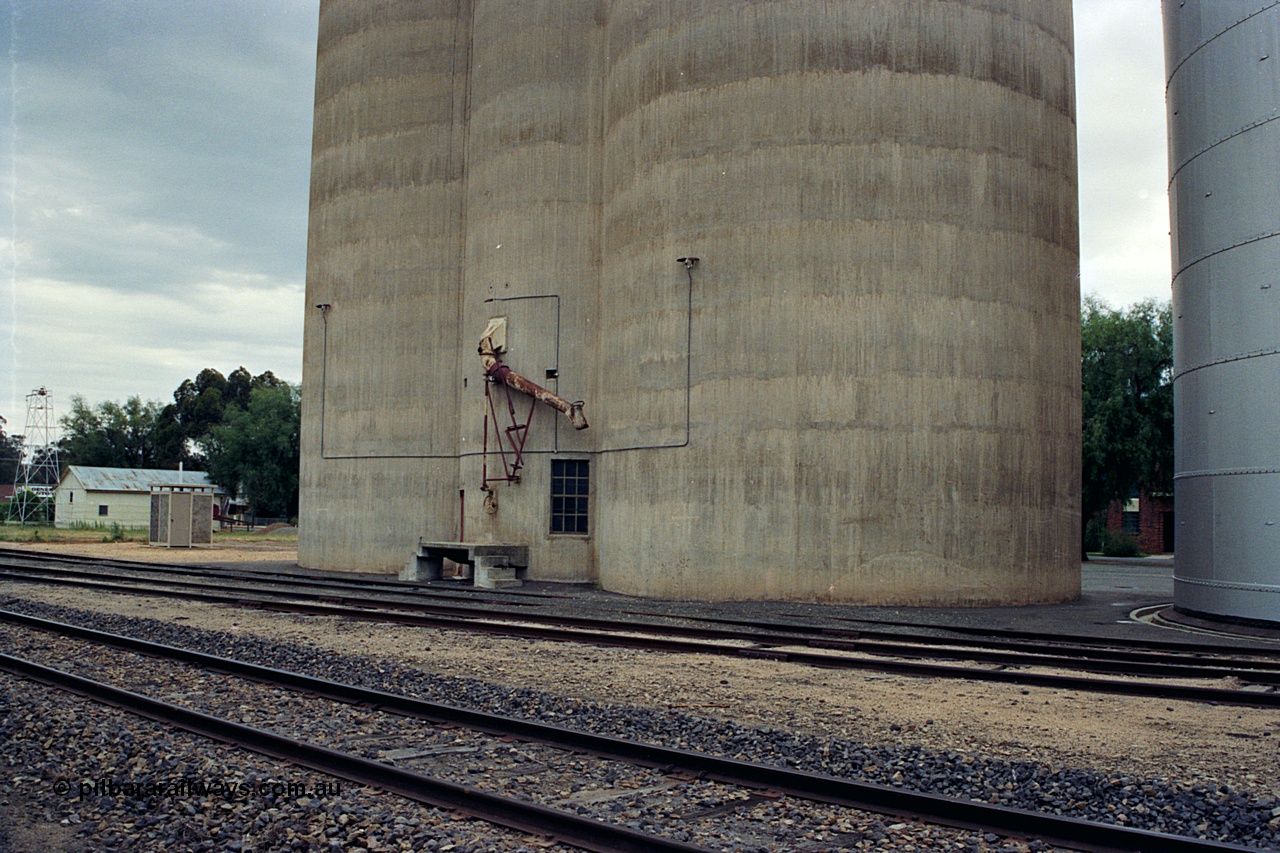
x: 1213, y: 38
x: 1248, y: 587
x: 1227, y: 359
x: 1246, y: 241
x: 1031, y: 23
x: 1223, y: 472
x: 1248, y: 127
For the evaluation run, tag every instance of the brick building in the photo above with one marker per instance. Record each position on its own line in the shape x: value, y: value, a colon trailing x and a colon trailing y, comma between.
x: 1148, y: 518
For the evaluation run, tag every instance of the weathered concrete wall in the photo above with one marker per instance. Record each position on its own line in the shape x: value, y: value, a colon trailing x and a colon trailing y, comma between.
x: 871, y: 391
x: 885, y: 323
x: 385, y: 252
x: 533, y: 175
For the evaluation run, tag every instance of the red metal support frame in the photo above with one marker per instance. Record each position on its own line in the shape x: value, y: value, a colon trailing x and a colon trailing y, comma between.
x: 510, y: 440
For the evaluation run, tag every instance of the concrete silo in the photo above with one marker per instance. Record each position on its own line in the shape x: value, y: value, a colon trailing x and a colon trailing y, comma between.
x: 384, y: 262
x: 1223, y: 62
x: 867, y: 387
x: 532, y: 256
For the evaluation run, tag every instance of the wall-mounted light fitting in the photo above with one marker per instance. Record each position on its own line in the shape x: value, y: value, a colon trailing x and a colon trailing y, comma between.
x: 689, y: 262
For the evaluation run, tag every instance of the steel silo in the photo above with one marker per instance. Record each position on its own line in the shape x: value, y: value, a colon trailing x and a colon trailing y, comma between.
x: 1223, y: 104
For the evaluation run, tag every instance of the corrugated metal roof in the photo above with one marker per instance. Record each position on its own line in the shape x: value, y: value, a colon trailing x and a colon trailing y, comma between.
x: 133, y: 479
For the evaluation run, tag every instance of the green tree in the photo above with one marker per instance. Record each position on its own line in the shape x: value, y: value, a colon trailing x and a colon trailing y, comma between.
x: 200, y: 404
x: 114, y: 435
x: 1127, y: 401
x: 10, y: 457
x: 239, y: 386
x: 254, y: 451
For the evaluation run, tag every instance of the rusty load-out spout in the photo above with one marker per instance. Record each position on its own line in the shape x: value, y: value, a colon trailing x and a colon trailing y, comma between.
x: 499, y: 372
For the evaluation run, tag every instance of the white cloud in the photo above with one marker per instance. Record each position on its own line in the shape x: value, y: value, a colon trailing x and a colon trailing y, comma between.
x: 157, y: 178
x: 1124, y: 212
x: 109, y: 347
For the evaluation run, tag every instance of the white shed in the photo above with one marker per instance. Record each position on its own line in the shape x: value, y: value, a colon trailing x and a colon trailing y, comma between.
x: 92, y: 496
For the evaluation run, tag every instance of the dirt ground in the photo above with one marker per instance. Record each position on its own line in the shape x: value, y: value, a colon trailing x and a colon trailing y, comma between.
x: 226, y: 551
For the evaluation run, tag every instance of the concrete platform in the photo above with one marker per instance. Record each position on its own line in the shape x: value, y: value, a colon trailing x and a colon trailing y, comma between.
x: 489, y: 566
x: 1113, y: 589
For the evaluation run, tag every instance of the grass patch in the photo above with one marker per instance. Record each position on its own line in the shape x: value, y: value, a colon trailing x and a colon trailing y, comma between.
x: 85, y: 533
x: 11, y: 532
x: 252, y: 536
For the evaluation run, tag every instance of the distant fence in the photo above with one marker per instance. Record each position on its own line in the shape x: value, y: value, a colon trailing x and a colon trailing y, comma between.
x: 248, y: 522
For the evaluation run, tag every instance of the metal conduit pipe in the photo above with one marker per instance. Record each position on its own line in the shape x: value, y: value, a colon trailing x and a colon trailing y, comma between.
x: 499, y: 372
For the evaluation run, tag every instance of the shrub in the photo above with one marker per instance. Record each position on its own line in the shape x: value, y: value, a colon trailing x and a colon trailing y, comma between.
x: 1119, y: 545
x: 1094, y: 536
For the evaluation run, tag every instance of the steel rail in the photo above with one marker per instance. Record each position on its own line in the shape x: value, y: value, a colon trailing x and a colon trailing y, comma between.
x: 106, y: 579
x: 13, y: 556
x: 1058, y: 645
x: 225, y: 583
x: 1009, y: 638
x: 1062, y: 645
x: 491, y: 622
x: 884, y: 643
x: 585, y: 833
x: 1190, y: 693
x: 1035, y: 637
x: 950, y: 811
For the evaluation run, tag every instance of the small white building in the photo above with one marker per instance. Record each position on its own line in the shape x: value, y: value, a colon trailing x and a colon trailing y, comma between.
x: 90, y: 496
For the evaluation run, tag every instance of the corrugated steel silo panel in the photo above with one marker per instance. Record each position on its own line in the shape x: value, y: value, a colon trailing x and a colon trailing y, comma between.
x: 1224, y: 104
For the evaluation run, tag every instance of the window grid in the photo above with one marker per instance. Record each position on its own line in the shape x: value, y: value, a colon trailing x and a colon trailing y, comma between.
x: 1130, y: 523
x: 570, y: 487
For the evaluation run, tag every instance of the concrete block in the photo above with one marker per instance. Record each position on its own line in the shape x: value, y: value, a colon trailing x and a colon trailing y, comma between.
x: 489, y: 566
x: 492, y: 573
x: 423, y: 567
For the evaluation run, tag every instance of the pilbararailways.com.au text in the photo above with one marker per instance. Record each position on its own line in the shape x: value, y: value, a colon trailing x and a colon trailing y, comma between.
x: 185, y: 787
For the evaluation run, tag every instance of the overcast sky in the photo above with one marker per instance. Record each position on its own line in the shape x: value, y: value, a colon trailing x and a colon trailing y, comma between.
x: 155, y: 173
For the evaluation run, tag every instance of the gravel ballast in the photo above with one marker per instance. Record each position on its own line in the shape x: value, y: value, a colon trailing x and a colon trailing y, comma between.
x: 1193, y: 807
x: 70, y: 761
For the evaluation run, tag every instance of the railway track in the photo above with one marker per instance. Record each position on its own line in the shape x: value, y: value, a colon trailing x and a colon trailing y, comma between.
x: 242, y: 684
x: 1178, y: 671
x: 840, y: 627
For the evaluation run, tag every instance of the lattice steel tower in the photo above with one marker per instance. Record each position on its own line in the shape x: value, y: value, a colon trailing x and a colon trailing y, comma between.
x: 39, y: 472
